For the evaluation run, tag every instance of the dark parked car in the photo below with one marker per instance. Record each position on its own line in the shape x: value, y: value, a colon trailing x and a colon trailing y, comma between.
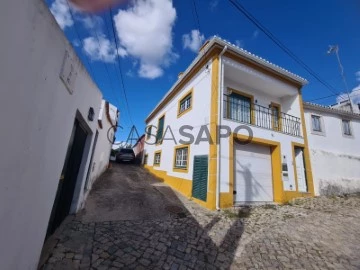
x: 125, y: 155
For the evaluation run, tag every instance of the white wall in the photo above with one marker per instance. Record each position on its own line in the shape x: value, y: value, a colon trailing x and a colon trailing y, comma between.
x: 37, y: 119
x: 103, y: 146
x: 291, y: 104
x: 198, y: 116
x: 335, y: 158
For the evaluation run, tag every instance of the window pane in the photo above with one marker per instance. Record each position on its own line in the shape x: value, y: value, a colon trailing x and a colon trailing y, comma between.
x: 346, y: 127
x: 240, y: 108
x: 316, y: 123
x: 181, y: 157
x: 160, y: 130
x: 185, y: 104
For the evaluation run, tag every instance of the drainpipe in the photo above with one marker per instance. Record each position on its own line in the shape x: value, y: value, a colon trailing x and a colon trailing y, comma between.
x: 220, y: 99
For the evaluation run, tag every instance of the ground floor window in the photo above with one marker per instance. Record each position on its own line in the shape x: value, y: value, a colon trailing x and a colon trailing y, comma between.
x: 157, y: 158
x: 181, y: 157
x: 146, y: 159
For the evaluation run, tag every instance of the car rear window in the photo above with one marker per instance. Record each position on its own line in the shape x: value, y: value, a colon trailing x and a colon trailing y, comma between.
x: 126, y: 151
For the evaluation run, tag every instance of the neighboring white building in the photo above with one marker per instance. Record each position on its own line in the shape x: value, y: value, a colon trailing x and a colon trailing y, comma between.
x: 334, y: 140
x: 228, y: 86
x: 104, y: 138
x: 49, y: 106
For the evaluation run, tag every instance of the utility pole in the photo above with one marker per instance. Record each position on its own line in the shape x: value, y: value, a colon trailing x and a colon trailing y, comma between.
x: 335, y: 49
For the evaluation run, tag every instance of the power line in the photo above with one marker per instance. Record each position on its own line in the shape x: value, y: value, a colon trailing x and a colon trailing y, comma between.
x: 248, y: 15
x: 119, y: 64
x: 333, y: 96
x: 106, y: 67
x: 196, y: 16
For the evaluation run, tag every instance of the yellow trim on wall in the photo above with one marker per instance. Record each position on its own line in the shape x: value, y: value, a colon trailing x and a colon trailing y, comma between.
x: 157, y: 152
x: 161, y: 116
x: 182, y: 170
x: 252, y: 109
x: 189, y: 93
x: 227, y: 198
x: 184, y: 186
x: 278, y: 106
x: 183, y: 81
x: 309, y: 175
x: 214, y: 114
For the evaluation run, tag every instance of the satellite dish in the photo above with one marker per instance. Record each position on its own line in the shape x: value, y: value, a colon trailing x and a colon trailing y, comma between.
x: 95, y: 5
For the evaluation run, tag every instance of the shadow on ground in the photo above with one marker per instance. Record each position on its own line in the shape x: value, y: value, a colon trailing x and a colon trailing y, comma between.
x: 133, y: 221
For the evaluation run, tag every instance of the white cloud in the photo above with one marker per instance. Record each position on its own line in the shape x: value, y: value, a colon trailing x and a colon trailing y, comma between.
x: 255, y: 34
x: 240, y: 43
x: 193, y: 40
x: 130, y: 73
x: 76, y: 42
x: 354, y: 95
x: 145, y: 32
x: 92, y: 23
x: 60, y: 10
x: 213, y: 4
x: 102, y: 49
x: 150, y: 71
x: 357, y: 75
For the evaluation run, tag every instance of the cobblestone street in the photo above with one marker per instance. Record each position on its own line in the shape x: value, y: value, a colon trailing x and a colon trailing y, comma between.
x: 163, y: 230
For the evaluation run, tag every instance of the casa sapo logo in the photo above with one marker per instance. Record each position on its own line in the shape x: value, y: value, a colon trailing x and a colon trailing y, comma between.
x: 188, y: 134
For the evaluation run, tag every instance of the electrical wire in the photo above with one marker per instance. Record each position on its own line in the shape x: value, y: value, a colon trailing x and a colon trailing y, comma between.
x: 334, y: 96
x: 119, y: 65
x: 267, y: 32
x: 196, y: 16
x: 106, y: 67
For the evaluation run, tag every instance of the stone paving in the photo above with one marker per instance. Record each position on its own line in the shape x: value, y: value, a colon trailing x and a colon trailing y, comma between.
x: 318, y: 233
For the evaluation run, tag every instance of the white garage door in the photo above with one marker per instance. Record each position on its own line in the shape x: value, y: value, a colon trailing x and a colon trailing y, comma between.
x: 253, y: 173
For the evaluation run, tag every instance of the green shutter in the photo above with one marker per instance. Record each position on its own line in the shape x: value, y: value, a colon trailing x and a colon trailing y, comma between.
x: 200, y: 177
x: 160, y: 130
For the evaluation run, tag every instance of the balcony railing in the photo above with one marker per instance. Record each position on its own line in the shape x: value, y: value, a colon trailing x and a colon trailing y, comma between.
x: 264, y: 117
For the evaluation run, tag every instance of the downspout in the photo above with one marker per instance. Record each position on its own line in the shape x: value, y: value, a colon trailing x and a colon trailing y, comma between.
x: 220, y: 99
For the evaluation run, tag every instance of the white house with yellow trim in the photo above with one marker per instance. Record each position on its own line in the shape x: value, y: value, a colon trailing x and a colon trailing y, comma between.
x: 334, y: 141
x: 231, y: 131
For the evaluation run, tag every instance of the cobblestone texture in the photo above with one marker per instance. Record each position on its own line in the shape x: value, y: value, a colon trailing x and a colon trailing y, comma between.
x: 318, y: 233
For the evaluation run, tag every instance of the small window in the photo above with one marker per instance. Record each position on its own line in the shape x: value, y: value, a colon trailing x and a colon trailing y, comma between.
x: 148, y: 132
x: 185, y: 104
x: 316, y: 123
x: 346, y: 127
x: 160, y: 130
x: 181, y: 158
x: 146, y: 159
x: 276, y: 116
x: 157, y: 158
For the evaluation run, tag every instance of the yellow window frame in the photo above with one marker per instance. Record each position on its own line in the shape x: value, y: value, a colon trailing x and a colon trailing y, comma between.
x: 278, y: 106
x: 178, y: 169
x: 186, y: 95
x: 252, y: 109
x: 155, y: 153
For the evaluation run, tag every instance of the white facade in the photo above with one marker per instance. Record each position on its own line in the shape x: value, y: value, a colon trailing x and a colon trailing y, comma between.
x: 265, y: 90
x: 211, y: 81
x: 107, y: 125
x: 199, y: 116
x: 335, y: 156
x: 38, y: 117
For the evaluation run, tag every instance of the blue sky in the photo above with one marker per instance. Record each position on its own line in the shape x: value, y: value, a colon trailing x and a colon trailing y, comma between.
x: 170, y: 37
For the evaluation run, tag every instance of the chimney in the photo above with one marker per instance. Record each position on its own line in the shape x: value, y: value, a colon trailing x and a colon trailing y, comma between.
x: 204, y: 45
x: 180, y: 75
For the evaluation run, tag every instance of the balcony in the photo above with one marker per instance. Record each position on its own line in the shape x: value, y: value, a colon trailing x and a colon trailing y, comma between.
x: 270, y: 118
